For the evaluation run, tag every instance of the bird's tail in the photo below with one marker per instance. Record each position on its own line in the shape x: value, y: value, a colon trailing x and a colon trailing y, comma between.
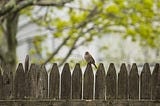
x: 95, y: 65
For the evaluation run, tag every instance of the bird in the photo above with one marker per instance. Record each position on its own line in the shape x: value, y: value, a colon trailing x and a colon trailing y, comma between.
x: 90, y: 60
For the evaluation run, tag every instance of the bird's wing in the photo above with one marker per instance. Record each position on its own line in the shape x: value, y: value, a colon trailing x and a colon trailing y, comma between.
x: 92, y: 60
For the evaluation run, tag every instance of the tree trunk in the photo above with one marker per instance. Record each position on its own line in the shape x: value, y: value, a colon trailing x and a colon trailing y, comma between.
x: 11, y: 31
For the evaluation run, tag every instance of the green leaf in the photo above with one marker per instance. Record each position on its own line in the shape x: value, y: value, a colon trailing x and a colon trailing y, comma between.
x: 113, y: 9
x: 131, y: 31
x: 57, y: 34
x: 148, y: 3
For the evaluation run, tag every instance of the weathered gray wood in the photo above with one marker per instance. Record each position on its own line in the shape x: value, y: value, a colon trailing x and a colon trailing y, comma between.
x: 156, y: 82
x: 145, y: 81
x: 123, y: 82
x: 100, y: 82
x: 88, y: 82
x: 43, y: 83
x: 111, y: 80
x: 26, y: 64
x: 79, y: 103
x: 1, y: 83
x: 54, y: 81
x: 7, y: 82
x: 26, y: 69
x: 134, y: 82
x: 19, y: 85
x: 32, y: 81
x: 66, y: 82
x: 77, y: 82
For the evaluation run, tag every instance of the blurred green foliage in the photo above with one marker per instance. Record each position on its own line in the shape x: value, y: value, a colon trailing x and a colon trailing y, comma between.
x: 135, y: 18
x: 86, y: 20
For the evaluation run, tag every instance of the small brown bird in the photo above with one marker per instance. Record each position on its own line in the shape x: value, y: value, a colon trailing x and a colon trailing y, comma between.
x: 88, y: 57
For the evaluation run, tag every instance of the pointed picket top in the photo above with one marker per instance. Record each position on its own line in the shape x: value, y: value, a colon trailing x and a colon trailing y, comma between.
x: 77, y: 82
x: 1, y: 83
x: 100, y: 82
x: 42, y: 89
x: 32, y: 81
x: 111, y: 79
x: 20, y: 69
x: 19, y: 85
x: 88, y: 82
x: 54, y: 82
x: 123, y: 82
x: 123, y: 69
x: 134, y: 82
x: 66, y: 82
x: 32, y: 68
x: 26, y: 65
x: 156, y: 82
x: 145, y: 81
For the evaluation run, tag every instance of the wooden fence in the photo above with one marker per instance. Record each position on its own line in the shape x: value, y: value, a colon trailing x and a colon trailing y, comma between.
x: 35, y: 87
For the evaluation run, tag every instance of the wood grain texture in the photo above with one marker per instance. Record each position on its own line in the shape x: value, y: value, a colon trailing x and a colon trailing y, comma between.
x: 1, y: 83
x: 134, y: 82
x: 66, y: 82
x: 100, y: 82
x: 54, y: 82
x: 19, y: 85
x: 88, y: 83
x: 77, y: 82
x: 7, y: 82
x: 123, y: 82
x: 156, y: 82
x: 42, y: 89
x: 111, y: 82
x: 32, y: 81
x: 145, y: 81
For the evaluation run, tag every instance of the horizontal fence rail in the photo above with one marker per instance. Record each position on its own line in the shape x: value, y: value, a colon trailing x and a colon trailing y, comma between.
x: 35, y: 84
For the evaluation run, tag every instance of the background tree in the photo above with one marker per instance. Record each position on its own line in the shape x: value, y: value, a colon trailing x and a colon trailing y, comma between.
x: 82, y: 21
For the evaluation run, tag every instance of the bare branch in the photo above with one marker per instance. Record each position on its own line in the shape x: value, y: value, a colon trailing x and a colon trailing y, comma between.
x: 12, y: 7
x: 30, y: 22
x: 70, y: 51
x: 57, y: 50
x: 74, y: 46
x: 51, y: 3
x: 25, y: 3
x: 80, y: 25
x: 6, y: 8
x: 82, y: 42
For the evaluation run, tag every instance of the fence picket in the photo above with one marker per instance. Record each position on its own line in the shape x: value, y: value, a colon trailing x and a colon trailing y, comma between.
x: 33, y: 84
x: 26, y: 64
x: 66, y: 82
x: 54, y: 81
x: 156, y: 82
x: 123, y: 82
x: 134, y: 82
x: 7, y: 82
x: 88, y: 82
x: 145, y: 81
x: 19, y: 85
x: 100, y: 82
x: 42, y: 83
x: 77, y: 82
x: 32, y: 81
x: 111, y: 82
x: 1, y: 83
